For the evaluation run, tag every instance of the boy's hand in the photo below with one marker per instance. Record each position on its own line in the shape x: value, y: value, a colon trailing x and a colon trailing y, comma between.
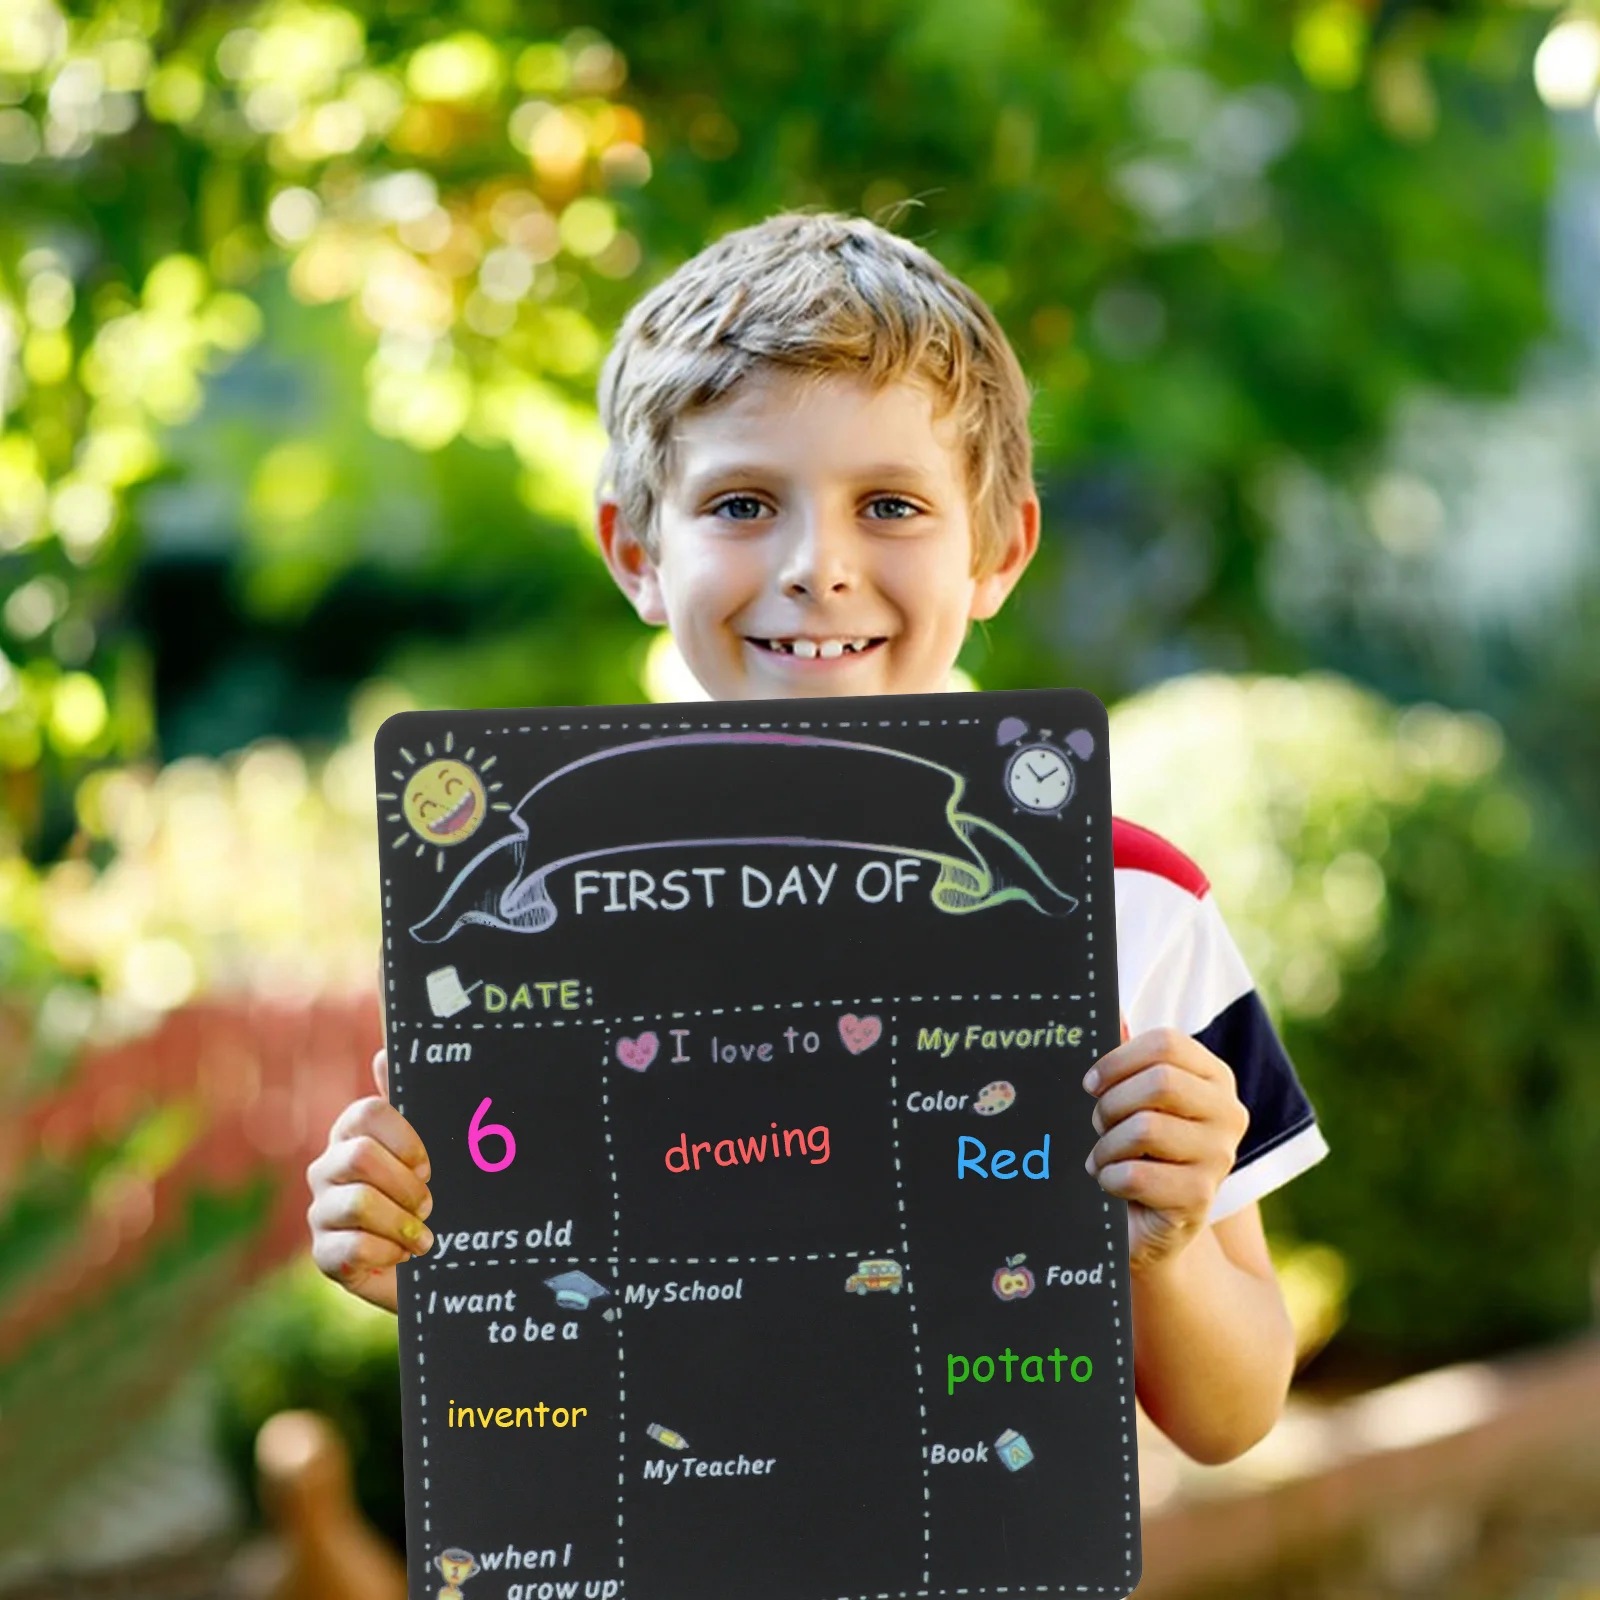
x: 369, y: 1196
x: 1170, y: 1121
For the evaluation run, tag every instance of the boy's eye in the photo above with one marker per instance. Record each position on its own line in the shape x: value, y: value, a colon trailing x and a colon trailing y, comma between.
x: 907, y: 509
x: 737, y: 500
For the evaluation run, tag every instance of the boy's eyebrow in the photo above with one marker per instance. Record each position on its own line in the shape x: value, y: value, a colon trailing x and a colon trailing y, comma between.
x: 878, y: 472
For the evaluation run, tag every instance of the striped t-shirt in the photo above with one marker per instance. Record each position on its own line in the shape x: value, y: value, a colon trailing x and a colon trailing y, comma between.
x: 1178, y: 967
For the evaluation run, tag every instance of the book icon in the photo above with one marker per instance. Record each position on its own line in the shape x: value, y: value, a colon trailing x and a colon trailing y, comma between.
x: 1013, y: 1450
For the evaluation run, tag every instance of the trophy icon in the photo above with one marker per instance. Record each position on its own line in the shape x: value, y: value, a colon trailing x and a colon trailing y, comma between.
x: 455, y: 1566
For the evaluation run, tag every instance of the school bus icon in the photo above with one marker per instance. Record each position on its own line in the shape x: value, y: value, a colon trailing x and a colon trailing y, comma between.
x: 873, y: 1276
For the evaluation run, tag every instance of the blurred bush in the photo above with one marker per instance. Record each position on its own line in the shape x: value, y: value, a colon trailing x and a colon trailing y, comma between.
x: 300, y: 1342
x: 1429, y: 936
x: 182, y: 1029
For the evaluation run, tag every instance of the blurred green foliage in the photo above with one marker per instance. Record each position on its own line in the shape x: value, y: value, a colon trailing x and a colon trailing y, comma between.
x: 74, y: 1396
x: 1456, y: 1080
x: 1426, y: 925
x: 303, y: 304
x: 299, y: 1342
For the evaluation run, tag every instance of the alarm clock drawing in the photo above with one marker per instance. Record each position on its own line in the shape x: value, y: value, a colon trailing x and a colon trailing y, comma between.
x: 1038, y: 775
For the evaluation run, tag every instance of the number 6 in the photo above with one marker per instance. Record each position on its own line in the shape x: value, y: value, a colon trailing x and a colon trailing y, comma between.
x: 475, y: 1134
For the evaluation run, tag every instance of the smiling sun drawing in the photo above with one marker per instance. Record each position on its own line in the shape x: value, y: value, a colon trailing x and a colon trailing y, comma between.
x: 444, y: 800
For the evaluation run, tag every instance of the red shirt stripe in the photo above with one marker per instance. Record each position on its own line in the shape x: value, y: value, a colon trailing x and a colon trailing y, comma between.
x: 1139, y: 850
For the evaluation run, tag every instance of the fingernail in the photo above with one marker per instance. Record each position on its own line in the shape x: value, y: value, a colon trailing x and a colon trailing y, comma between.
x: 427, y: 1242
x: 425, y: 1171
x: 425, y: 1210
x: 1091, y: 1079
x: 1088, y: 1165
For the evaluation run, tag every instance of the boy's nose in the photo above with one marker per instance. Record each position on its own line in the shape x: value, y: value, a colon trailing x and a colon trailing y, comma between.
x: 818, y: 561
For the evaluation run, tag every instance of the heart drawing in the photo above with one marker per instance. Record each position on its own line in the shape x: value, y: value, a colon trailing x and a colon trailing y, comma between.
x: 637, y: 1054
x: 859, y: 1033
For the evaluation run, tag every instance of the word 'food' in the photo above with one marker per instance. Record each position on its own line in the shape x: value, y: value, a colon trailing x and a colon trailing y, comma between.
x: 742, y: 1152
x: 513, y: 1416
x: 979, y: 1037
x: 1002, y: 1164
x: 741, y: 1467
x: 981, y: 1369
x: 1065, y: 1275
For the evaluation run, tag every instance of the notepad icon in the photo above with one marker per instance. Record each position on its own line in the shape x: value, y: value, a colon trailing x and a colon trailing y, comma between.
x: 1013, y: 1450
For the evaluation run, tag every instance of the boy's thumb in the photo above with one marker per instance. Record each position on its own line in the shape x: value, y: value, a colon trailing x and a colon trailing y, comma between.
x: 380, y: 1072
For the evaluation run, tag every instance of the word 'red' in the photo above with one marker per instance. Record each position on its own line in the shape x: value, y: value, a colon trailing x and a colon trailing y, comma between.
x: 741, y: 1152
x: 982, y: 1368
x: 1002, y: 1164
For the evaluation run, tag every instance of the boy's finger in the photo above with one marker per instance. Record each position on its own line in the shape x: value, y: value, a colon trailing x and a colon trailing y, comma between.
x: 1170, y: 1045
x: 1161, y: 1185
x: 1155, y: 1136
x: 363, y: 1160
x: 380, y: 1072
x: 377, y: 1119
x: 360, y: 1208
x: 348, y: 1257
x: 1161, y: 1087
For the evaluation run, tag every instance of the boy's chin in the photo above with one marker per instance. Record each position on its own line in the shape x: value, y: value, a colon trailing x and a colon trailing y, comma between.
x: 834, y: 686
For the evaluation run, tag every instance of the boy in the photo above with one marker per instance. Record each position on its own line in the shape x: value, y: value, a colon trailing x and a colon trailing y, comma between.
x: 820, y: 474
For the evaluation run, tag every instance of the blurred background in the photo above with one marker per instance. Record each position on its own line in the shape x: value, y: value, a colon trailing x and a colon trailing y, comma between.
x: 301, y: 310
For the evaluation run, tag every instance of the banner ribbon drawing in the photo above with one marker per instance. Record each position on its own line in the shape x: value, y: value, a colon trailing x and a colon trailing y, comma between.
x: 740, y: 789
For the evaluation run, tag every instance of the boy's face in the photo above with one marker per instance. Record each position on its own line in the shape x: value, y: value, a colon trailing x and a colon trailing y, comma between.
x: 816, y: 540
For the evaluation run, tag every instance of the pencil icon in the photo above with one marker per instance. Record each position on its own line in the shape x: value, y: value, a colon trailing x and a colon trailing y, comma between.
x: 673, y: 1441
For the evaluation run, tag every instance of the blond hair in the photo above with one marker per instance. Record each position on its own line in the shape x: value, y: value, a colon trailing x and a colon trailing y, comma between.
x: 816, y: 294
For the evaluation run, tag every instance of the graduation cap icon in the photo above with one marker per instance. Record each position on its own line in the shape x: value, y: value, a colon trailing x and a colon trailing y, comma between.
x: 575, y: 1290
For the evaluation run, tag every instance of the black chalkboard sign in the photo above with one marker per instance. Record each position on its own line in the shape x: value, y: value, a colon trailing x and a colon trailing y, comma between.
x: 747, y: 1042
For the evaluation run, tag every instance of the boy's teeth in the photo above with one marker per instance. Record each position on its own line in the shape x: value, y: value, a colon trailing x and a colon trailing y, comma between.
x: 810, y: 649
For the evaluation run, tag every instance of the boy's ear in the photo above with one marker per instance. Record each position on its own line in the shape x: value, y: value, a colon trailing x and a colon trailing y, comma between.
x: 1022, y: 541
x: 629, y: 563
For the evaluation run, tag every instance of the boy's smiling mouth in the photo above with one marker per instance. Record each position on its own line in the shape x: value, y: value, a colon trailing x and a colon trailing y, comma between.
x: 806, y: 648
